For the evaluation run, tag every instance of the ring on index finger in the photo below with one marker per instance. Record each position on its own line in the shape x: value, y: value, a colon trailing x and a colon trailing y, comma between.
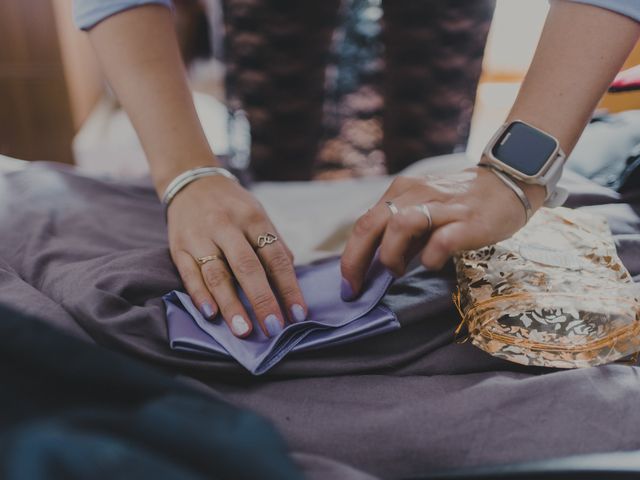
x: 392, y: 207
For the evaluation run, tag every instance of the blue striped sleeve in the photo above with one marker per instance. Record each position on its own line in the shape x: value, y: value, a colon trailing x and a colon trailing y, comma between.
x: 629, y: 8
x: 88, y: 13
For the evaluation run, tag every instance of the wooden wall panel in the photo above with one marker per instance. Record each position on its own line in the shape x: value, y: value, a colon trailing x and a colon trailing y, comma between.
x: 35, y: 118
x: 82, y: 73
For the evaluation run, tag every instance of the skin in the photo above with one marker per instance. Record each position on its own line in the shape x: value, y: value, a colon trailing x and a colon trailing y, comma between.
x: 138, y: 51
x: 580, y: 51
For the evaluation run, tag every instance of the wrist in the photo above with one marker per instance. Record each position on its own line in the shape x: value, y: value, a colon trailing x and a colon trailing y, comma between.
x: 162, y: 176
x: 535, y: 193
x: 531, y: 158
x: 531, y: 197
x: 188, y: 177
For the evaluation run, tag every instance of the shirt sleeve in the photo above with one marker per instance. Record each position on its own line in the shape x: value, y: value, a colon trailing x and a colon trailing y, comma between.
x: 88, y: 13
x: 629, y: 8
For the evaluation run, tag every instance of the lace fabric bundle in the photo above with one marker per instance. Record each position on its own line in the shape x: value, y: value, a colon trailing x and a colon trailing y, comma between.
x: 554, y: 295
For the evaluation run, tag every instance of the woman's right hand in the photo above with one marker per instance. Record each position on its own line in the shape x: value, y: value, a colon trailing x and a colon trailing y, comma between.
x: 138, y: 51
x: 215, y: 216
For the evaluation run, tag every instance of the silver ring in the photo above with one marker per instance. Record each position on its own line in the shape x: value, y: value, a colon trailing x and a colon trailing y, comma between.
x: 422, y: 208
x: 265, y: 239
x: 392, y: 207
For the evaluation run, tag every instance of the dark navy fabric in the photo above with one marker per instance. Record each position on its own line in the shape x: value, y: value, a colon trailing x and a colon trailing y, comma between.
x: 71, y: 410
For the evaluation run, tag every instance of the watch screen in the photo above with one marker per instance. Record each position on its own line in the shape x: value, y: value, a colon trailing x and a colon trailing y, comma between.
x: 524, y: 148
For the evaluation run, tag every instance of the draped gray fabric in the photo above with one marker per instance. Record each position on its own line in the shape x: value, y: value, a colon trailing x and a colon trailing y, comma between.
x: 90, y: 257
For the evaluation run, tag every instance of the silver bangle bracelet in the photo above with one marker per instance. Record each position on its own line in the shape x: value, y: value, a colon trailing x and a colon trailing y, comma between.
x: 528, y: 210
x: 189, y: 176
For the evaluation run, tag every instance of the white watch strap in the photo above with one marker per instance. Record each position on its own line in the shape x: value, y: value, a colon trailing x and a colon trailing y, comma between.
x: 556, y: 196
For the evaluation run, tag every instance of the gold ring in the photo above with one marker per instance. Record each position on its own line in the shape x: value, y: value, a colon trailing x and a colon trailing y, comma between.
x: 202, y: 260
x: 266, y: 239
x: 392, y: 207
x: 422, y: 208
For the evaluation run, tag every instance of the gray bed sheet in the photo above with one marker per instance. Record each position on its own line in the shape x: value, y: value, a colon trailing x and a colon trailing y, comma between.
x: 90, y: 256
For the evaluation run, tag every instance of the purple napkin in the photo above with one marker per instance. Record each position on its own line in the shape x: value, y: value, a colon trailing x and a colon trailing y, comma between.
x: 331, y: 321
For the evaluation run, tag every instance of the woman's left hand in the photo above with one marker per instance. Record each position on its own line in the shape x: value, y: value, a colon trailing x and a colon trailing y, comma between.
x: 468, y: 210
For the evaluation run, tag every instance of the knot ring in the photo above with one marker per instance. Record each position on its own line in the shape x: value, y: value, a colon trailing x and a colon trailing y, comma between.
x: 209, y: 258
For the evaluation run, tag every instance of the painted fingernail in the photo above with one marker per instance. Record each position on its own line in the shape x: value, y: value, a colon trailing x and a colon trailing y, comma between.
x: 346, y: 292
x: 298, y: 313
x: 239, y: 325
x: 207, y: 310
x: 274, y: 327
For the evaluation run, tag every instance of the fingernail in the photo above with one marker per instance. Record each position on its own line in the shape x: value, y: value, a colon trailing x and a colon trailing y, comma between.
x: 298, y: 312
x: 346, y: 292
x: 274, y: 327
x: 239, y: 325
x: 206, y: 310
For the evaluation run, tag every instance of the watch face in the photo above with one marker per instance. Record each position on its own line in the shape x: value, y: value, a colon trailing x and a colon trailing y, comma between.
x: 524, y: 148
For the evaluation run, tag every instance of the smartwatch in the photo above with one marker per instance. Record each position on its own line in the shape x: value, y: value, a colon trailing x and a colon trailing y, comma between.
x: 526, y: 153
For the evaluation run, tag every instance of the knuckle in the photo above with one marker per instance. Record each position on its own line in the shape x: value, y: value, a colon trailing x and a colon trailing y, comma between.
x: 429, y: 262
x: 189, y: 278
x: 348, y: 267
x: 467, y: 208
x: 263, y: 301
x: 388, y: 259
x: 399, y: 223
x: 215, y: 277
x: 253, y: 216
x: 485, y: 231
x: 399, y: 182
x: 199, y: 296
x: 402, y: 183
x: 251, y: 212
x: 466, y: 212
x: 289, y: 292
x: 186, y: 233
x: 247, y: 264
x: 216, y: 218
x: 228, y: 306
x: 364, y: 225
x: 482, y: 229
x: 406, y: 224
x: 178, y: 255
x: 279, y: 263
x: 442, y: 243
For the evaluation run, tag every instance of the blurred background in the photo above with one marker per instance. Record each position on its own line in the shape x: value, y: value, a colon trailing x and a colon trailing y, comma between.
x: 354, y: 87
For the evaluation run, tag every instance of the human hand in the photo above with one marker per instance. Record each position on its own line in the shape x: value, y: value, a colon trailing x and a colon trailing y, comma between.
x: 215, y: 217
x: 468, y: 210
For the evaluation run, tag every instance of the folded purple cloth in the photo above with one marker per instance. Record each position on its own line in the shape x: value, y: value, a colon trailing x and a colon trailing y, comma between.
x: 331, y: 321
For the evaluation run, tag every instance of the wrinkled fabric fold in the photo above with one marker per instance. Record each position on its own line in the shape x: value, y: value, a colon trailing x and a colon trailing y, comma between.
x: 91, y: 257
x: 331, y: 321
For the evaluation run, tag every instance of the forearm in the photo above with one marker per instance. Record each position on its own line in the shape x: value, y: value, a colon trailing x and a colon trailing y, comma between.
x: 139, y: 53
x: 580, y: 51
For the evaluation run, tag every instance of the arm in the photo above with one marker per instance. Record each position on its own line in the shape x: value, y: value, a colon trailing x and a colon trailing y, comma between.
x: 139, y: 53
x: 214, y: 216
x: 581, y: 49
